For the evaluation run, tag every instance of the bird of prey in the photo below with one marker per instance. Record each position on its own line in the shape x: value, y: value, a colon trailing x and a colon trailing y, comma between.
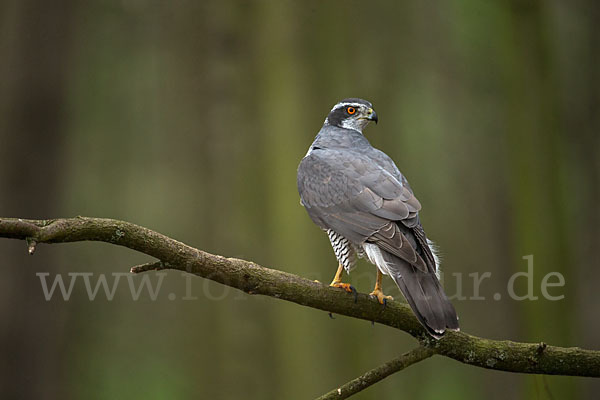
x: 356, y: 194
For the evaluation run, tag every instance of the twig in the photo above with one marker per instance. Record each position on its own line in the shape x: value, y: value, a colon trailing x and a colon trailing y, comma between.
x: 252, y: 278
x: 151, y: 266
x: 30, y: 245
x: 375, y: 375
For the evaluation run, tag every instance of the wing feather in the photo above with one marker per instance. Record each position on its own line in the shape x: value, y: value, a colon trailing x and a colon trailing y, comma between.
x: 366, y: 199
x: 355, y: 196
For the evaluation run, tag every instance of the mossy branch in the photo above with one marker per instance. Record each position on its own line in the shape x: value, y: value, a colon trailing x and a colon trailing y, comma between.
x: 533, y: 358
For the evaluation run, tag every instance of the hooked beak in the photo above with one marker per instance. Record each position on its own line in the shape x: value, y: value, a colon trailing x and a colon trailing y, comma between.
x: 372, y: 116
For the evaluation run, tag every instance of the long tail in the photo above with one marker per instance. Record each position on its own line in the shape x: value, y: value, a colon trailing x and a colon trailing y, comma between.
x: 424, y: 294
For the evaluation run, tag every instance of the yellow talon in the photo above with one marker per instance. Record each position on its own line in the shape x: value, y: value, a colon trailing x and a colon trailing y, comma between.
x: 380, y: 296
x: 346, y: 286
x: 377, y: 292
x: 337, y: 280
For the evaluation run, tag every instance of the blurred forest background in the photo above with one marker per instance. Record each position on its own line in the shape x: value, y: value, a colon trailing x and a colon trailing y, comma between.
x: 190, y: 118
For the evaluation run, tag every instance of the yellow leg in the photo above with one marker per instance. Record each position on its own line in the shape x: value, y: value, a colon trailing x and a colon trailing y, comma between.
x: 377, y: 292
x: 337, y: 280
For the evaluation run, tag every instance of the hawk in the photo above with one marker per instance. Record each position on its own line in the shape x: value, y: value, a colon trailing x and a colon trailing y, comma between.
x: 356, y: 194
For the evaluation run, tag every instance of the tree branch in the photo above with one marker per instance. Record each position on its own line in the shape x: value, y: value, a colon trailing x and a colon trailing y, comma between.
x: 535, y: 358
x: 375, y: 375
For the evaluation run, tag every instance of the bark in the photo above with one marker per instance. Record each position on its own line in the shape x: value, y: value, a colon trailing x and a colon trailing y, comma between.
x: 532, y: 358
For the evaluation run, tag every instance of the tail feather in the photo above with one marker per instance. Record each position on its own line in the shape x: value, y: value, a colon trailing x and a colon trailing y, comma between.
x: 424, y: 294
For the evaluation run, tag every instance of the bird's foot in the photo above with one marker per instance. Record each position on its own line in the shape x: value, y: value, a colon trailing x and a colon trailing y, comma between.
x: 383, y: 299
x: 347, y: 287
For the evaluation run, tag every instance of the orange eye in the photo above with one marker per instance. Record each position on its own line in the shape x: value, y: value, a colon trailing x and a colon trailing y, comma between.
x: 351, y: 110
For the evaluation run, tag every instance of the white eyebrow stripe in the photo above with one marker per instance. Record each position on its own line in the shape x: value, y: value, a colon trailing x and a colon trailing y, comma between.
x: 340, y: 105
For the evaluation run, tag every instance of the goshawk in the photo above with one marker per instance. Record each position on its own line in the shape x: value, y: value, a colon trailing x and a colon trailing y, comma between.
x: 359, y: 197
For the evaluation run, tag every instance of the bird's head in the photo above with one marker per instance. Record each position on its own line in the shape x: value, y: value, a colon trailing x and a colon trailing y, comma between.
x: 351, y: 114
